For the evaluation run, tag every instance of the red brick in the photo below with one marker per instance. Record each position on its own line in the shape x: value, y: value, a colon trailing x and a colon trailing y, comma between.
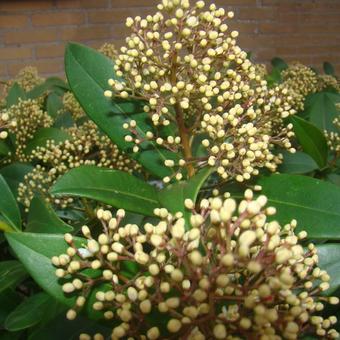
x: 50, y: 51
x: 13, y: 21
x: 85, y: 33
x: 44, y: 66
x: 12, y: 53
x: 116, y: 15
x: 82, y: 3
x: 30, y: 36
x: 19, y: 5
x: 58, y: 18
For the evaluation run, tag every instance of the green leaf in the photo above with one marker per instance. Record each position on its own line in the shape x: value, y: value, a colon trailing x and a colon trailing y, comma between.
x: 35, y: 252
x: 279, y: 64
x: 328, y: 68
x: 43, y: 219
x: 9, y: 300
x: 14, y: 94
x: 113, y: 187
x: 297, y: 163
x: 315, y: 204
x: 312, y: 140
x: 30, y: 312
x: 333, y: 178
x: 4, y: 148
x: 8, y: 206
x: 11, y: 273
x: 329, y: 255
x: 88, y: 72
x: 50, y: 84
x: 53, y: 104
x: 321, y: 109
x: 172, y: 197
x: 45, y: 134
x: 14, y: 174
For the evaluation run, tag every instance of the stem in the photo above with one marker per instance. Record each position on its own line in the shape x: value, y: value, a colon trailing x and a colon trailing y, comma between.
x: 183, y: 131
x: 185, y: 140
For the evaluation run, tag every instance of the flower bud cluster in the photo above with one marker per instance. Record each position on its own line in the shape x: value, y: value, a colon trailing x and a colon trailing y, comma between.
x: 333, y: 137
x: 27, y: 78
x: 28, y: 117
x: 86, y: 146
x: 70, y: 104
x: 232, y: 275
x: 109, y: 50
x: 185, y: 63
x: 5, y: 124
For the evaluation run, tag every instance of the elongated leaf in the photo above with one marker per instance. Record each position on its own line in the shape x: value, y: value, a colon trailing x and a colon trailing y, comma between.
x: 88, y: 72
x: 321, y: 109
x: 329, y: 255
x: 43, y: 219
x: 279, y: 64
x: 35, y: 252
x: 14, y: 174
x: 50, y: 84
x: 9, y: 207
x: 297, y: 163
x: 172, y: 197
x: 30, y: 312
x: 9, y: 300
x: 312, y: 140
x: 328, y: 68
x: 11, y: 273
x: 315, y: 204
x: 45, y: 134
x: 4, y: 148
x: 14, y: 94
x: 54, y: 104
x: 113, y: 187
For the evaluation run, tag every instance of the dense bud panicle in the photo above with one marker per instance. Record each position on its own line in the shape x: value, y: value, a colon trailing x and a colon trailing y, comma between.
x: 237, y: 277
x: 185, y: 63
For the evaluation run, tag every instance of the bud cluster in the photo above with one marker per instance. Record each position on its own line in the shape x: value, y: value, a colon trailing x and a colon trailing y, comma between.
x: 28, y: 117
x: 232, y: 275
x: 86, y: 146
x: 5, y: 124
x: 185, y: 63
x: 333, y: 137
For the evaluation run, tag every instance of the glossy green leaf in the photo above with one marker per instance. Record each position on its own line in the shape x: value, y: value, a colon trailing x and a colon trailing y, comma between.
x: 312, y: 140
x: 43, y: 219
x: 88, y: 72
x: 45, y: 134
x: 279, y: 63
x: 14, y: 174
x: 35, y: 252
x: 8, y: 206
x: 113, y: 187
x: 30, y: 312
x: 54, y: 104
x: 4, y: 148
x: 9, y: 300
x: 14, y: 94
x: 50, y: 84
x: 334, y: 178
x: 328, y: 68
x: 329, y: 255
x: 11, y: 273
x: 297, y: 163
x: 321, y: 109
x: 315, y: 204
x: 172, y: 197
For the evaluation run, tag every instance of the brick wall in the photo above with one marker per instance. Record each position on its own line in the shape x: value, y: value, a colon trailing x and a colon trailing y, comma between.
x: 34, y: 32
